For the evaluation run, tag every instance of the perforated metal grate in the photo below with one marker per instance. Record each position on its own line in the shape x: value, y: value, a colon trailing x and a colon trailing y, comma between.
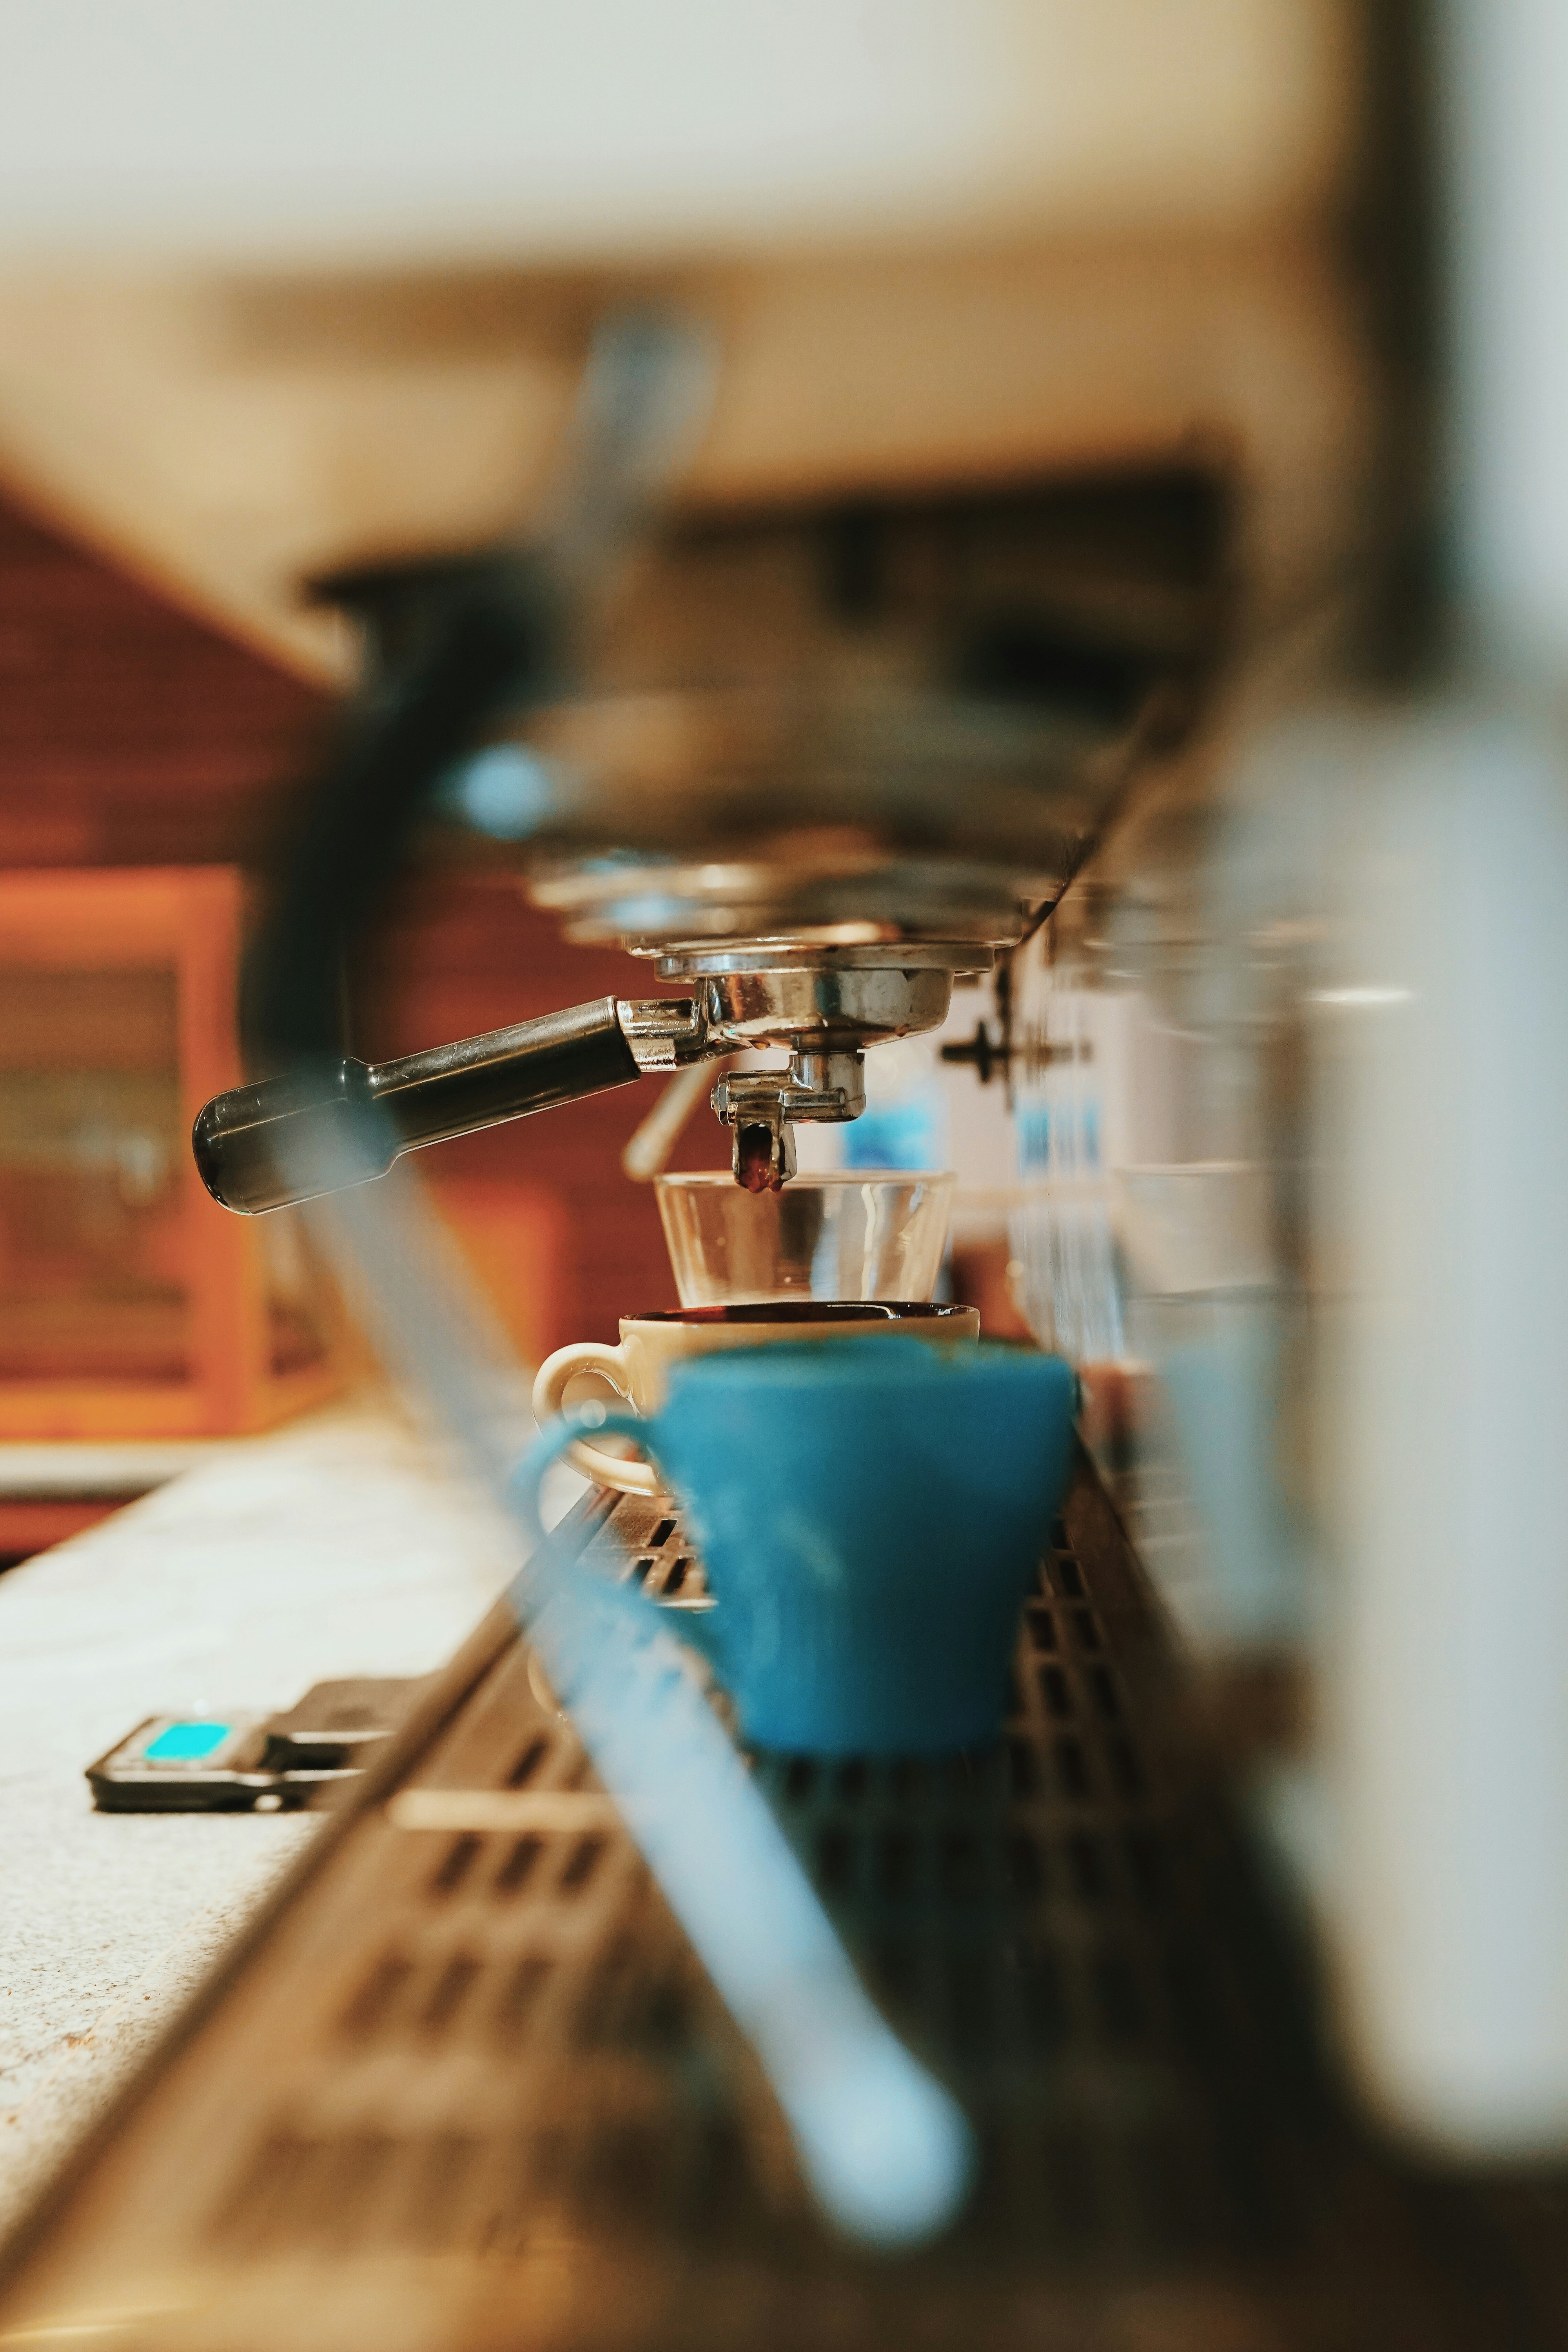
x: 471, y: 2088
x: 1012, y: 1910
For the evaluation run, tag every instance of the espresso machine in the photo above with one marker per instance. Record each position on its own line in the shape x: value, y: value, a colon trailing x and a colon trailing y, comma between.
x: 741, y: 881
x: 1241, y: 1955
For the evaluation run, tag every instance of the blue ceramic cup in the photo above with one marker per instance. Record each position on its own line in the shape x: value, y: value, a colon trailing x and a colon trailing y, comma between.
x: 870, y: 1520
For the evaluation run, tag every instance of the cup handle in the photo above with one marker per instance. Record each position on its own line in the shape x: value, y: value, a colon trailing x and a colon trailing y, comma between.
x: 557, y: 1438
x: 549, y: 1389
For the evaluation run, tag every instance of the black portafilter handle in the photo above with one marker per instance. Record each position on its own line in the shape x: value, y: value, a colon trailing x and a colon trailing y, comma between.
x: 291, y: 1138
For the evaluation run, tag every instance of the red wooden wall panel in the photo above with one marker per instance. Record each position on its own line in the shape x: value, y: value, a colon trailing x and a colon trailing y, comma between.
x: 130, y: 733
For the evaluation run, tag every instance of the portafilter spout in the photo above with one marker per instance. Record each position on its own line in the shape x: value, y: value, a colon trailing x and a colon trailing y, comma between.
x: 826, y: 1004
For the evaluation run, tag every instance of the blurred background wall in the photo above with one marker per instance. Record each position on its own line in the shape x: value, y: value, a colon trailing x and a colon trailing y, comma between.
x: 134, y: 734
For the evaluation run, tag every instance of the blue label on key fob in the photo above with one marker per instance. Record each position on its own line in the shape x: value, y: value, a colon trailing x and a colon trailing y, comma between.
x: 186, y: 1743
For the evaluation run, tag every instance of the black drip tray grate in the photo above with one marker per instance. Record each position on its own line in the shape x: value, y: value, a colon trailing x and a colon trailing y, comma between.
x: 470, y: 2089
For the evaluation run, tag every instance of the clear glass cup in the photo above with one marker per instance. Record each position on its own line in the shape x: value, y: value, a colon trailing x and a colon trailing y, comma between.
x: 856, y: 1233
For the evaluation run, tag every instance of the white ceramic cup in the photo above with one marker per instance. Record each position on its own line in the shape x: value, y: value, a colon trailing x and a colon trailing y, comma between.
x: 639, y: 1369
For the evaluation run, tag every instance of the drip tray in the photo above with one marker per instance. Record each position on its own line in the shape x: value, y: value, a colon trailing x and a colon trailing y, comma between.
x: 466, y: 2086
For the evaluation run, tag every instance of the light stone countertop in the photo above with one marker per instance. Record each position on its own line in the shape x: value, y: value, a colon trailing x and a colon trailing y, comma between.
x: 123, y: 1466
x: 336, y: 1547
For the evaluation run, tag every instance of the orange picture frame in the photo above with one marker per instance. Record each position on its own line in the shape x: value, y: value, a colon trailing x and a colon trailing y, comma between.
x: 189, y: 920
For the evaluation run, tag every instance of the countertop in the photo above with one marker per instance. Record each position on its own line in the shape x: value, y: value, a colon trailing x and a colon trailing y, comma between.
x: 340, y: 1546
x: 124, y: 1466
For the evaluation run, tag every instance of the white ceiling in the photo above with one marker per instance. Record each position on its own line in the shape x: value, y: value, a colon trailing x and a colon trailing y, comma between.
x: 288, y: 284
x: 297, y: 131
